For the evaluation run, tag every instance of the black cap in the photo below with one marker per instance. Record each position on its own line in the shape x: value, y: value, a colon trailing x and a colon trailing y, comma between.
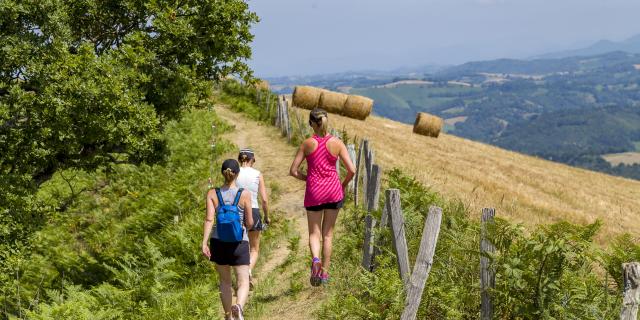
x: 246, y: 152
x: 231, y: 164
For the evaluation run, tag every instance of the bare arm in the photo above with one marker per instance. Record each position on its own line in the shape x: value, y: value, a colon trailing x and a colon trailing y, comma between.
x: 245, y: 199
x: 262, y: 190
x: 212, y: 204
x: 295, y: 166
x: 348, y: 165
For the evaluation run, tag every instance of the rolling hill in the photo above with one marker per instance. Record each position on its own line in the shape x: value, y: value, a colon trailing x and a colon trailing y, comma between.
x: 631, y: 45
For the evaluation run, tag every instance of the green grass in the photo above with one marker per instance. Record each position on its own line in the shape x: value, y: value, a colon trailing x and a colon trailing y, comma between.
x: 128, y: 246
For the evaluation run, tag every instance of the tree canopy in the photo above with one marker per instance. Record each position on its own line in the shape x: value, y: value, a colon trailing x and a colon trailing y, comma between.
x: 86, y: 83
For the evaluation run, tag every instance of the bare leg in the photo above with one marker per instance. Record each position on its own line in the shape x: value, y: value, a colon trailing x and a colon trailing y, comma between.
x: 314, y: 220
x: 329, y: 221
x: 254, y: 243
x: 226, y: 292
x: 242, y: 276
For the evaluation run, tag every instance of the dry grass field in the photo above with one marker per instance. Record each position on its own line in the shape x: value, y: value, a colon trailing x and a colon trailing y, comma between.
x: 522, y: 188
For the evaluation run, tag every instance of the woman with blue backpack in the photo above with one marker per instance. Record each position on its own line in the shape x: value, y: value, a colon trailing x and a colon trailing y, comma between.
x: 227, y: 243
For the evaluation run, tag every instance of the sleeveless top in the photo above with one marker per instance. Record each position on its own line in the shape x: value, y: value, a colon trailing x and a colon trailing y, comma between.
x: 323, y: 180
x: 249, y: 179
x: 228, y: 195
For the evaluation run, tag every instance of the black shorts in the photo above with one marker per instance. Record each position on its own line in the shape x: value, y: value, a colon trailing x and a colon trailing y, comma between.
x: 330, y: 205
x: 257, y: 220
x: 229, y: 253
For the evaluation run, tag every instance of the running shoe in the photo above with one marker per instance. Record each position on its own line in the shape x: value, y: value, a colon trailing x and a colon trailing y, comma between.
x: 316, y: 269
x: 324, y: 279
x: 236, y: 312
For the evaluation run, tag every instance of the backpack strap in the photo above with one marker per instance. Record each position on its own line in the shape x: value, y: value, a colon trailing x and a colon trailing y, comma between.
x: 237, y: 199
x: 219, y: 195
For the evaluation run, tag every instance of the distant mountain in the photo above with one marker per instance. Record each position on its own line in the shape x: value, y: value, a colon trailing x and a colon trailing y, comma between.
x: 631, y: 45
x: 546, y: 66
x: 344, y: 80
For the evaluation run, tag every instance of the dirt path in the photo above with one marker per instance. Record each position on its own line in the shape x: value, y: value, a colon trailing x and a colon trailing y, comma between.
x: 283, y: 291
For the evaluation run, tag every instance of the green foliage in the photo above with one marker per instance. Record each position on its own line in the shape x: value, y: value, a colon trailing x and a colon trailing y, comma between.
x: 128, y: 248
x: 552, y: 272
x: 249, y: 100
x: 86, y: 83
x: 624, y: 249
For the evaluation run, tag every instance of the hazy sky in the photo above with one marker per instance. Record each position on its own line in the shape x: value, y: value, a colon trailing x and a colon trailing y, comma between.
x: 323, y: 36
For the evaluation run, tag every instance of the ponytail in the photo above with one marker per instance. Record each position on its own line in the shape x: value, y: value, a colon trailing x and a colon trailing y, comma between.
x: 320, y: 118
x: 323, y: 126
x: 229, y: 175
x: 246, y: 157
x: 243, y: 158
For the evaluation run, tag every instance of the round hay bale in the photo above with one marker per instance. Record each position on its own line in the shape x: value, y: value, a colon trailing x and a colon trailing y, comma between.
x: 357, y: 107
x: 332, y: 102
x: 306, y: 97
x: 262, y: 85
x: 427, y: 125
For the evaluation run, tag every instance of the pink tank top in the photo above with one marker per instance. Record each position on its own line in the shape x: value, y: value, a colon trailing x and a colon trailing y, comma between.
x: 323, y: 181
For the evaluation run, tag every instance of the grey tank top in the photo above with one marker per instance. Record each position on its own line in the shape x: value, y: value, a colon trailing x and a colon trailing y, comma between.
x: 228, y: 195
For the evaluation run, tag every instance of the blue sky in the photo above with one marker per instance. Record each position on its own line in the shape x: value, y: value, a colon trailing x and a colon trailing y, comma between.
x: 322, y: 36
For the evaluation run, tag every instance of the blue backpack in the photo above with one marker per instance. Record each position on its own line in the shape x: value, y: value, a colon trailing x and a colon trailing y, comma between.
x: 228, y: 222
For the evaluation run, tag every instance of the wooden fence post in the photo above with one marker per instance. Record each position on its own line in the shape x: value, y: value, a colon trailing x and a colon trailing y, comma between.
x: 398, y: 236
x: 287, y: 120
x: 631, y: 294
x: 369, y: 240
x: 351, y: 148
x: 487, y: 274
x: 368, y: 162
x: 337, y: 135
x: 277, y: 118
x: 380, y: 243
x: 373, y: 188
x: 423, y: 264
x: 356, y: 178
x: 283, y: 123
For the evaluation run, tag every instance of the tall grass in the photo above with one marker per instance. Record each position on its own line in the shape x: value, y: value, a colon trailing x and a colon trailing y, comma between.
x: 128, y: 246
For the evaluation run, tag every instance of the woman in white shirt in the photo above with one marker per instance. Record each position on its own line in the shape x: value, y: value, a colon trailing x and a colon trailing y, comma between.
x: 252, y: 180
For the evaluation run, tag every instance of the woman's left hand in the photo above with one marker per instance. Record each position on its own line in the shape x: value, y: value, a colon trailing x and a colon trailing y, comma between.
x: 205, y: 251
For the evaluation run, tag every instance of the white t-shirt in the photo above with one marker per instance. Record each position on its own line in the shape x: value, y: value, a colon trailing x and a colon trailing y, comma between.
x: 249, y: 179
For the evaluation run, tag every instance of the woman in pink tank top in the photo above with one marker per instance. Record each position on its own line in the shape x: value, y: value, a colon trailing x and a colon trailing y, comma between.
x: 324, y: 191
